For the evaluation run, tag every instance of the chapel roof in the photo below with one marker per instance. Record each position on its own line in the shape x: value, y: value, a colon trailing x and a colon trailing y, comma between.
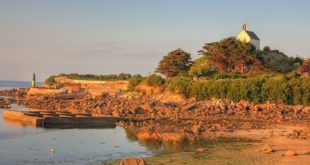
x: 252, y: 35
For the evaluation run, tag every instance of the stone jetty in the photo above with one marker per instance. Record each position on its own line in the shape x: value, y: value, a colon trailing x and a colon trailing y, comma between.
x: 59, y: 119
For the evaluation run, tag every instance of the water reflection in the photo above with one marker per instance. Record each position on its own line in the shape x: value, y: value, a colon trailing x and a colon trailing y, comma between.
x: 17, y: 123
x: 158, y: 145
x: 23, y: 144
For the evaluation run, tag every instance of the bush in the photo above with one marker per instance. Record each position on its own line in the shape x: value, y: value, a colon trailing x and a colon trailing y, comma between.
x: 227, y: 76
x: 155, y: 80
x: 76, y: 76
x: 134, y: 81
x: 201, y: 67
x: 50, y: 81
x: 180, y: 85
x: 277, y: 61
x: 258, y: 90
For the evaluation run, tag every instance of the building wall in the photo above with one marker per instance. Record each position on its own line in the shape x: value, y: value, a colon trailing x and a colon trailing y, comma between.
x: 243, y: 36
x: 256, y: 43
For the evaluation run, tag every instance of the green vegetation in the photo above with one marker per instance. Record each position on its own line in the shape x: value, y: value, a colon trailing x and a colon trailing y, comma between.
x: 277, y: 61
x: 231, y: 55
x: 50, y: 81
x: 91, y: 77
x: 180, y: 85
x: 227, y: 69
x: 76, y: 76
x: 201, y: 67
x: 281, y: 89
x: 155, y: 80
x: 175, y: 63
x: 133, y: 82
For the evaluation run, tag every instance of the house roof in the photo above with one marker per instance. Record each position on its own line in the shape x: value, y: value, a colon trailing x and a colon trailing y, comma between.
x: 252, y: 35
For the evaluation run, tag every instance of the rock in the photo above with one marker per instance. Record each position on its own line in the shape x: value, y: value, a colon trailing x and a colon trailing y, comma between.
x: 116, y: 113
x: 306, y: 109
x: 132, y: 161
x: 201, y: 150
x: 307, y: 151
x: 290, y: 153
x: 196, y: 129
x: 267, y: 148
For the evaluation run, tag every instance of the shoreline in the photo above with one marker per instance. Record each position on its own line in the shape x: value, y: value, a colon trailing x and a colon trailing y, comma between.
x: 210, y: 120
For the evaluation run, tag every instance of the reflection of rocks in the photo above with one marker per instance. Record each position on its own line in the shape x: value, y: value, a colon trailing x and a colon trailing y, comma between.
x: 300, y: 134
x: 290, y: 153
x: 267, y: 148
x: 168, y: 137
x: 132, y: 161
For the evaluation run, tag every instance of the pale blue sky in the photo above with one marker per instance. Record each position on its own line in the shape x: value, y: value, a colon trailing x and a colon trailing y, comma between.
x: 113, y: 36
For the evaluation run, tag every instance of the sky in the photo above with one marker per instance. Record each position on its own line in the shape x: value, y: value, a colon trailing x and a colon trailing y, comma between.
x: 131, y: 36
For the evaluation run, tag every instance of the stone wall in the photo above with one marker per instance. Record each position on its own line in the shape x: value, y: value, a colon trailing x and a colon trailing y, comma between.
x: 66, y: 80
x: 96, y: 88
x: 111, y: 87
x: 45, y: 91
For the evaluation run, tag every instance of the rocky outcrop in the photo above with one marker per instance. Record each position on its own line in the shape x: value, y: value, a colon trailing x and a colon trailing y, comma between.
x: 300, y: 134
x: 5, y: 102
x: 14, y: 93
x: 189, y: 119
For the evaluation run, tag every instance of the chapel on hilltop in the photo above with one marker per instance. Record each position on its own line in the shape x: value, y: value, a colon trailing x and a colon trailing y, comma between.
x: 249, y: 36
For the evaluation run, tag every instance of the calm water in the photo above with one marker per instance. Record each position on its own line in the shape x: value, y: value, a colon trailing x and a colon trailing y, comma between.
x: 29, y: 145
x: 14, y: 84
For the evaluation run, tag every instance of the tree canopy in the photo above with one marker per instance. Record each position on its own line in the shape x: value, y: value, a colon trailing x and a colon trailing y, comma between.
x: 279, y: 62
x: 175, y: 63
x: 201, y: 67
x: 230, y: 53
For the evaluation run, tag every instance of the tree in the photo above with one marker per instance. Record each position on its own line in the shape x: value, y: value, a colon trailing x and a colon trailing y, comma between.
x: 155, y: 80
x: 230, y: 54
x: 266, y: 49
x: 176, y: 62
x: 279, y: 62
x: 200, y: 67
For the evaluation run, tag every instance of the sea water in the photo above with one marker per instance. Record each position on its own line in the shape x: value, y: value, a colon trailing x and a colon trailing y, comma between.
x: 29, y: 145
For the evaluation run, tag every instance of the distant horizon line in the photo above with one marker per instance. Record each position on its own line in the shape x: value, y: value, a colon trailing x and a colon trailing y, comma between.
x: 19, y: 81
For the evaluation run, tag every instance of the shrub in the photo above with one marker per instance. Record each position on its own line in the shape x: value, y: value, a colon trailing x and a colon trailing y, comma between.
x: 227, y: 76
x: 155, y: 80
x: 50, y: 81
x: 201, y: 67
x: 76, y: 76
x: 279, y: 62
x: 258, y: 90
x: 134, y: 81
x: 180, y: 84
